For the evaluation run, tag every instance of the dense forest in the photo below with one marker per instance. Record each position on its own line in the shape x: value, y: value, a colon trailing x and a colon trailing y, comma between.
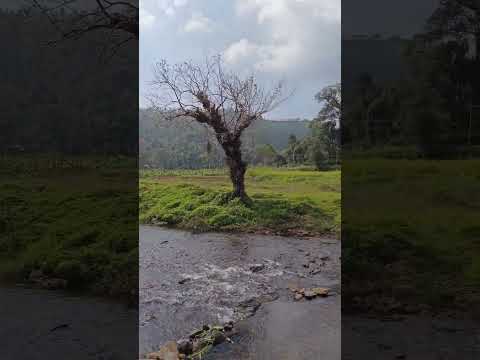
x: 187, y: 144
x: 416, y: 97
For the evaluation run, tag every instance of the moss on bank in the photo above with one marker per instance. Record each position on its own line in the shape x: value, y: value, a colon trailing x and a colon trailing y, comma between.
x: 283, y: 201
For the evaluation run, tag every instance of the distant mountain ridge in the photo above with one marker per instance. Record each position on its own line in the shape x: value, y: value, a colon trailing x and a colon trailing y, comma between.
x: 187, y: 144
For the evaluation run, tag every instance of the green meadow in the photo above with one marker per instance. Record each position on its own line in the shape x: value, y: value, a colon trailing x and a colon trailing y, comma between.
x: 63, y: 220
x: 414, y: 224
x: 284, y: 201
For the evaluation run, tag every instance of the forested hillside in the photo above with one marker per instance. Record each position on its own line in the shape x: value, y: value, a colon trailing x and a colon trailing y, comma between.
x: 184, y: 144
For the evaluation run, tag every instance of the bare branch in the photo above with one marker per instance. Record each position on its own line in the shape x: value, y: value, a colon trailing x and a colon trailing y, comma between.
x: 102, y: 14
x: 212, y: 95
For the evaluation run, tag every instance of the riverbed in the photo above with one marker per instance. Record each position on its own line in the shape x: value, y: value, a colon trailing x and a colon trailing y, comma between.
x: 188, y: 280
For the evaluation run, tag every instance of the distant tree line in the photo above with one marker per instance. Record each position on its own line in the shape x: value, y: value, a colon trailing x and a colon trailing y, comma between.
x: 427, y: 104
x: 295, y: 142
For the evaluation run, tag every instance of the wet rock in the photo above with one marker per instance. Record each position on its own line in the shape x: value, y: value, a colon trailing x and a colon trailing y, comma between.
x: 257, y: 267
x: 53, y: 284
x: 319, y: 291
x: 325, y: 258
x: 185, y: 346
x: 298, y: 297
x: 251, y: 305
x: 168, y: 351
x: 183, y: 281
x: 36, y: 275
x: 309, y: 294
x: 293, y: 289
x: 219, y: 338
x: 228, y: 326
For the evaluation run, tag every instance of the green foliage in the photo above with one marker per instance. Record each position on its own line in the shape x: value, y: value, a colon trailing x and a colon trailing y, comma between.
x: 188, y: 145
x: 69, y: 225
x: 412, y: 223
x: 283, y: 200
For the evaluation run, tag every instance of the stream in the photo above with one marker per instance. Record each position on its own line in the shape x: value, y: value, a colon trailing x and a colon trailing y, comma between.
x: 188, y: 280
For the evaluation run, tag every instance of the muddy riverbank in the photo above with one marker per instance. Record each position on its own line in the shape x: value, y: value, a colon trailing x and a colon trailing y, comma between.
x: 187, y: 280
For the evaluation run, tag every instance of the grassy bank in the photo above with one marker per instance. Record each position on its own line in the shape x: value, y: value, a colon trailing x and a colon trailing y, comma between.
x: 411, y: 233
x: 74, y: 224
x: 284, y: 201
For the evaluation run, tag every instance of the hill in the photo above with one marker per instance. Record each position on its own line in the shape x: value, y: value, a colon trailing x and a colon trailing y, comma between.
x: 186, y: 144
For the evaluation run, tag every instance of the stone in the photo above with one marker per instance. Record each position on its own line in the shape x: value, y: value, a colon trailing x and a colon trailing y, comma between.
x: 309, y: 294
x: 228, y: 326
x: 183, y: 281
x: 219, y: 338
x: 257, y: 267
x: 53, y: 284
x: 185, y: 346
x: 298, y: 297
x: 168, y: 351
x: 319, y: 291
x: 35, y: 275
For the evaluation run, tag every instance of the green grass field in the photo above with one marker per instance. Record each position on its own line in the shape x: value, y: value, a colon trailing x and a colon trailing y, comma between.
x: 285, y: 201
x: 413, y: 227
x: 76, y: 224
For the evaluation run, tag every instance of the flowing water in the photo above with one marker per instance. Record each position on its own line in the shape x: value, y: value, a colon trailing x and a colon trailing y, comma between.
x: 188, y: 280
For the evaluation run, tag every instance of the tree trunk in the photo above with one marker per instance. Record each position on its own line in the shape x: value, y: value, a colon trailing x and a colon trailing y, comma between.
x: 237, y: 168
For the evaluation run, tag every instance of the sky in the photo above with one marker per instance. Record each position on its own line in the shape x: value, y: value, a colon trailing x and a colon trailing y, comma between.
x: 297, y: 41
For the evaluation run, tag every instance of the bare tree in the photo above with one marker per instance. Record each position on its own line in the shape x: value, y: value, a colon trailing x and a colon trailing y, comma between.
x: 220, y: 99
x: 92, y: 15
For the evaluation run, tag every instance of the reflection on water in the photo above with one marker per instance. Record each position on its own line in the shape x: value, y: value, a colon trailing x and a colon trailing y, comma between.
x: 287, y: 331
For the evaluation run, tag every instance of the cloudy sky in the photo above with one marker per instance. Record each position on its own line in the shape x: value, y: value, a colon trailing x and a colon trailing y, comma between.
x: 294, y: 40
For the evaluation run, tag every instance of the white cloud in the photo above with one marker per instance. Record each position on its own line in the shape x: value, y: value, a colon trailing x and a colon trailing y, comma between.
x: 198, y: 23
x: 272, y: 9
x: 295, y: 40
x: 169, y: 7
x: 147, y: 19
x: 180, y: 3
x: 240, y: 50
x: 300, y: 33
